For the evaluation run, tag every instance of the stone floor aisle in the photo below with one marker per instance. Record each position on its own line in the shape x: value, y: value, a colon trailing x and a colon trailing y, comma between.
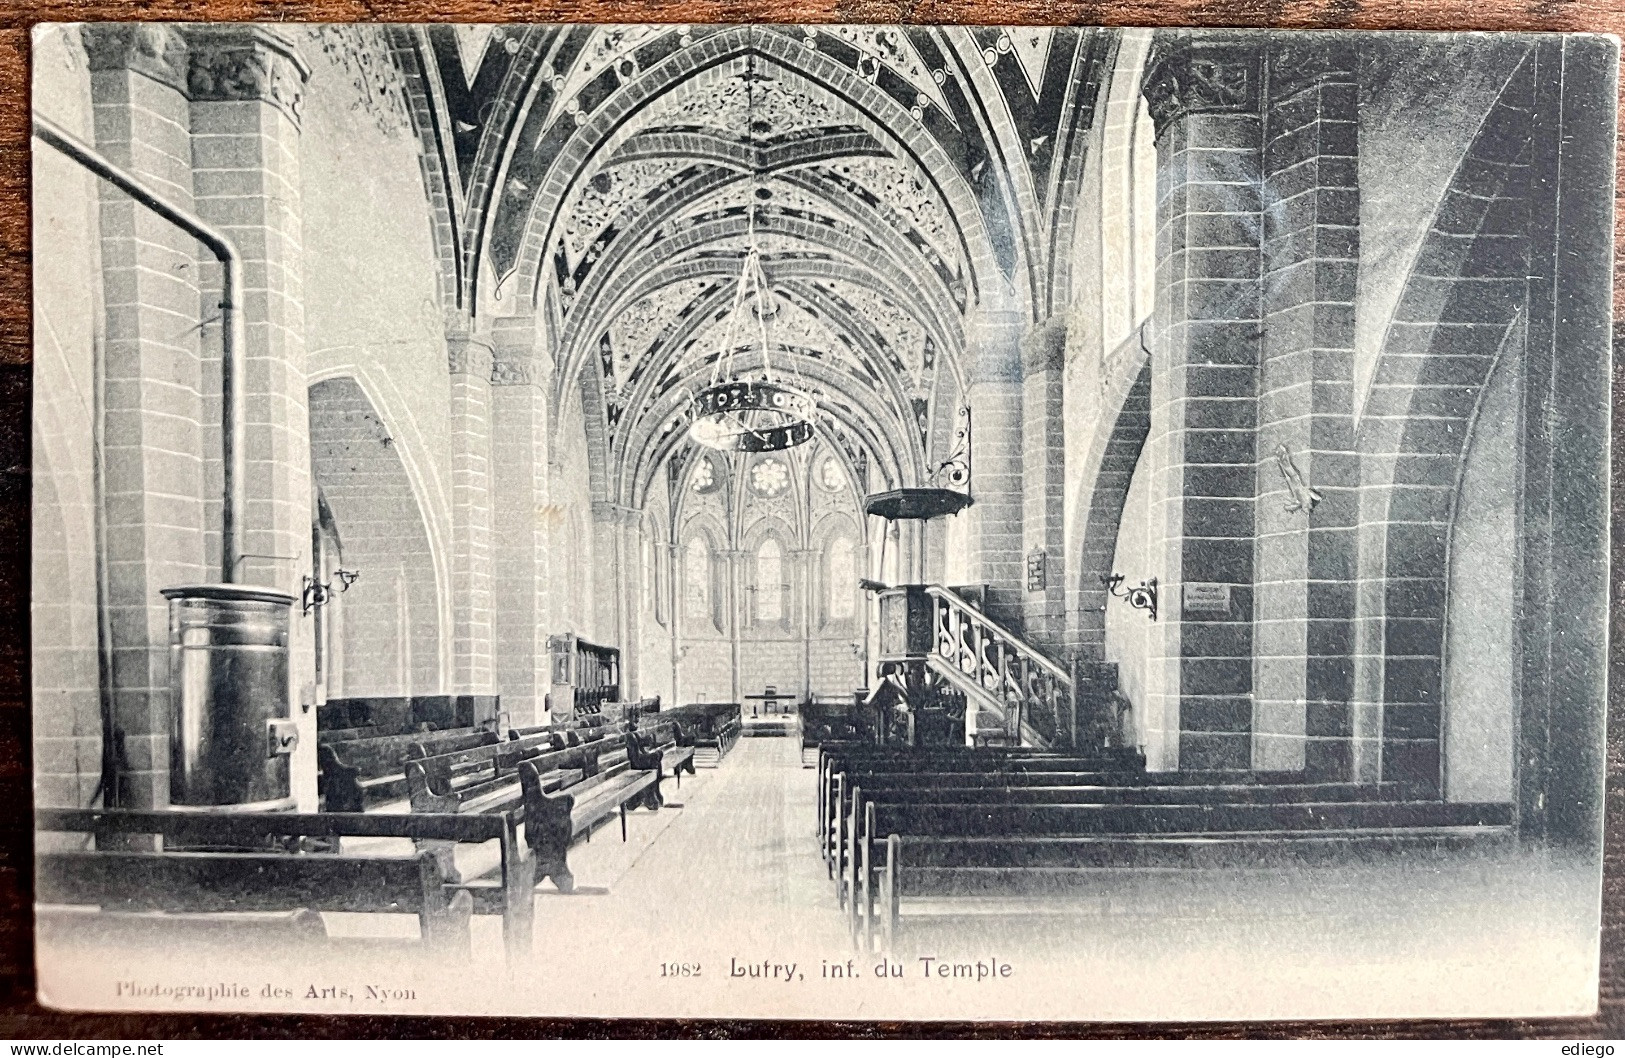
x: 735, y: 874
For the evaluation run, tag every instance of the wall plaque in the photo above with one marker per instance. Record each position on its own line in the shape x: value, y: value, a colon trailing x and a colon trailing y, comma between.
x: 1206, y: 598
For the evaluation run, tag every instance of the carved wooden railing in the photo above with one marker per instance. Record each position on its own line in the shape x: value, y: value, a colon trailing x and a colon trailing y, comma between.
x: 994, y: 666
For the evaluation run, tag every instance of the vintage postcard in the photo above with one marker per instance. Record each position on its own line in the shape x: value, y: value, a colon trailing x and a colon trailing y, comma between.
x: 820, y: 521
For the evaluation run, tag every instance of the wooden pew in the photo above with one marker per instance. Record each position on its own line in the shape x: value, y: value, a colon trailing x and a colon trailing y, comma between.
x: 485, y: 778
x: 555, y: 818
x: 826, y: 720
x: 1148, y: 789
x: 351, y: 734
x: 205, y: 882
x: 841, y: 766
x: 580, y: 726
x: 234, y: 881
x: 355, y: 775
x: 660, y: 748
x: 709, y: 725
x: 900, y: 845
x: 833, y: 798
x: 61, y: 925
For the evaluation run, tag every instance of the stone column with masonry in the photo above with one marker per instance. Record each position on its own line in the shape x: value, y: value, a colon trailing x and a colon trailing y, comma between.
x: 469, y: 360
x: 1308, y: 474
x: 994, y: 394
x: 154, y: 454
x: 1043, y: 478
x: 520, y: 376
x: 1203, y: 91
x: 247, y: 85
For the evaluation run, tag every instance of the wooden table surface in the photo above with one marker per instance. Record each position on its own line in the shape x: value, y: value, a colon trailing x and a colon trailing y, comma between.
x: 22, y: 1018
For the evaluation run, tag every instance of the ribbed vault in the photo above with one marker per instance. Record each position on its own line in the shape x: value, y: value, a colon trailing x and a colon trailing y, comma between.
x: 897, y: 182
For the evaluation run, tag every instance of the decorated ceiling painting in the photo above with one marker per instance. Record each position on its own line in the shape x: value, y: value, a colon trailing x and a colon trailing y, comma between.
x: 609, y: 181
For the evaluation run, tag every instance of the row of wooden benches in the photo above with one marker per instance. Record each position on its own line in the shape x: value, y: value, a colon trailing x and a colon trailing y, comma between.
x: 711, y: 726
x: 234, y: 864
x: 894, y: 823
x: 562, y: 785
x: 217, y: 869
x: 361, y: 773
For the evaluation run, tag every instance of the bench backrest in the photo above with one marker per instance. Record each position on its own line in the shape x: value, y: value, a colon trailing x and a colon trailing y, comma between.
x: 703, y: 718
x: 1184, y: 794
x: 432, y: 746
x: 352, y: 734
x: 1049, y: 820
x: 485, y: 751
x: 240, y: 881
x: 972, y: 779
x: 245, y: 830
x: 577, y: 724
x: 387, y: 754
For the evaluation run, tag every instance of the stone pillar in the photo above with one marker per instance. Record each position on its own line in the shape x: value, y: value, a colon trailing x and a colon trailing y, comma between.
x: 247, y: 84
x: 154, y: 441
x: 617, y: 534
x: 1565, y: 508
x: 733, y: 565
x: 520, y: 376
x: 994, y: 394
x: 871, y: 606
x: 804, y: 577
x: 1203, y: 91
x: 1305, y: 551
x: 671, y: 584
x: 1043, y: 477
x: 470, y: 360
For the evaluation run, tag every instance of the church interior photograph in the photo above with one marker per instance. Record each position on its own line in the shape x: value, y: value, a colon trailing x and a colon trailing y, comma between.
x: 820, y: 521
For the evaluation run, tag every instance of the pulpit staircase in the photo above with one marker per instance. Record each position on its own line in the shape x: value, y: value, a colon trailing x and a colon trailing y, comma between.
x: 942, y: 657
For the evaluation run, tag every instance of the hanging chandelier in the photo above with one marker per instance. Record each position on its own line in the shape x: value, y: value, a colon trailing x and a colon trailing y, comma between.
x: 760, y: 413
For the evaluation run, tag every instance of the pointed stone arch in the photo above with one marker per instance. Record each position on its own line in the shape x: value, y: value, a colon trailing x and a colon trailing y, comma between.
x: 396, y: 637
x: 1109, y: 461
x: 1467, y: 289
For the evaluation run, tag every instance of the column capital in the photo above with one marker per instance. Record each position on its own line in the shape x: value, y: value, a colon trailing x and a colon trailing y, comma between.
x: 1202, y: 72
x: 513, y: 367
x: 1044, y: 347
x: 236, y: 63
x: 1295, y: 65
x: 467, y: 355
x: 516, y: 359
x: 153, y: 49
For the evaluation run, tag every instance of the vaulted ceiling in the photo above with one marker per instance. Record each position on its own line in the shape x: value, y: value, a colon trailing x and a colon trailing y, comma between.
x: 896, y: 181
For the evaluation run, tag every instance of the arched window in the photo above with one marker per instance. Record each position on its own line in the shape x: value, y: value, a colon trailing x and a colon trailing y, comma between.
x: 697, y: 581
x: 769, y: 581
x: 842, y: 578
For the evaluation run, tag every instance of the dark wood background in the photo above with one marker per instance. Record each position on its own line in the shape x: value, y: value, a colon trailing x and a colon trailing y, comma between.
x: 22, y: 1018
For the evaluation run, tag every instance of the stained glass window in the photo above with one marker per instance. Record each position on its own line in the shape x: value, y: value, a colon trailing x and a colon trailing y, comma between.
x: 769, y: 477
x: 705, y: 476
x: 830, y: 474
